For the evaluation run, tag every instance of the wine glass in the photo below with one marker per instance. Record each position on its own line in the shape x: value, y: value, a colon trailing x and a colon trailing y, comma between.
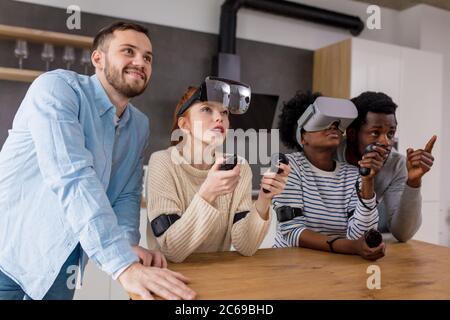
x: 68, y: 56
x: 86, y: 60
x: 21, y: 51
x: 48, y: 55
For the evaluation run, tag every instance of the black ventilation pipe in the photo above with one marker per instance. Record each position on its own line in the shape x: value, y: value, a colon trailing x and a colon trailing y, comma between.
x: 230, y: 8
x: 227, y: 63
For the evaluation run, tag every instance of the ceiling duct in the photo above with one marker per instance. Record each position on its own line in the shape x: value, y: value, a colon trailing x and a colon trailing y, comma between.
x: 227, y: 63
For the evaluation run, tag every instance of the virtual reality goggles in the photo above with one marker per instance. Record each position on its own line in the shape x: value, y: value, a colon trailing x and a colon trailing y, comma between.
x: 325, y: 112
x: 235, y: 96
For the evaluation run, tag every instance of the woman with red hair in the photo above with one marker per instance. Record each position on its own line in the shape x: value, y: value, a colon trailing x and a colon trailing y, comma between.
x: 193, y: 205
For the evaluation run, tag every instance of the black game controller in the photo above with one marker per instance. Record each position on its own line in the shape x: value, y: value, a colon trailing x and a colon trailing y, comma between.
x: 369, y: 148
x: 275, y: 159
x: 366, y: 171
x: 373, y: 238
x: 229, y: 163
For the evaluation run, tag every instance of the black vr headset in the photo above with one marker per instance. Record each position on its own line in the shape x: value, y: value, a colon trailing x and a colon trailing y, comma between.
x: 235, y: 96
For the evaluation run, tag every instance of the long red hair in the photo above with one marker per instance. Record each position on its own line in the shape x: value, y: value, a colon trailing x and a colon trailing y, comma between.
x: 186, y: 96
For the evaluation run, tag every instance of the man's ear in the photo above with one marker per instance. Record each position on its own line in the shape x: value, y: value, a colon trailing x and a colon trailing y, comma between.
x: 98, y: 59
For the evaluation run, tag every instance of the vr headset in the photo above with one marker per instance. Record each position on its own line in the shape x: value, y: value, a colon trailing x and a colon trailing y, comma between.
x: 325, y: 112
x: 235, y: 96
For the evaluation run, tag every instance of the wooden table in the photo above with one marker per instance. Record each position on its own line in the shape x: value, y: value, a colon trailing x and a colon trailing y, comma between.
x: 413, y: 270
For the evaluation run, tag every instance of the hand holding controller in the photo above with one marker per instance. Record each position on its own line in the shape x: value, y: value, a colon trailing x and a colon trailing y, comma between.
x: 274, y: 161
x: 365, y: 171
x: 373, y: 158
x: 373, y: 238
x: 229, y: 163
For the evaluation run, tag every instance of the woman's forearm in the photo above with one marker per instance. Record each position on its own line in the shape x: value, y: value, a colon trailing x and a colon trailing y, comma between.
x: 367, y: 188
x: 314, y: 240
x: 262, y: 205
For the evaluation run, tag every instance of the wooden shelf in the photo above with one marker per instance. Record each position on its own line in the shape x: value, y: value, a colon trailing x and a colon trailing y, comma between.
x: 41, y: 36
x: 37, y: 36
x: 22, y: 75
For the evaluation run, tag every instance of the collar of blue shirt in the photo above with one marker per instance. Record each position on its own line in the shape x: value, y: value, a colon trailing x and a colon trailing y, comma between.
x: 105, y: 105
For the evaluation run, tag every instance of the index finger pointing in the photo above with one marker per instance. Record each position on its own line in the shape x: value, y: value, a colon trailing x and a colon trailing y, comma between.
x: 430, y: 144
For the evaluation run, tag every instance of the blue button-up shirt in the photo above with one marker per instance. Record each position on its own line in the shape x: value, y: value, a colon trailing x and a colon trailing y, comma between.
x: 68, y: 175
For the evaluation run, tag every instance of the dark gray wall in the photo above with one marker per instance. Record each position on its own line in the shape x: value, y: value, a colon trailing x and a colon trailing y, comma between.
x: 182, y: 58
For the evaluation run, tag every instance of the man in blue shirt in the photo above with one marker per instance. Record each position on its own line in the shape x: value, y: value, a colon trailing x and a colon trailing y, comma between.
x: 71, y: 178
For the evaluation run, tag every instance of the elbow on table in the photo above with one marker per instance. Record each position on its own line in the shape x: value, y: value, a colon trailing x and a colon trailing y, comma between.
x: 175, y: 259
x: 172, y: 255
x: 248, y: 252
x: 403, y: 235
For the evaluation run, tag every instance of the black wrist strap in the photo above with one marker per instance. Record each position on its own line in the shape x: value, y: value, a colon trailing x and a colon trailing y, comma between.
x: 358, y: 191
x: 286, y: 213
x: 161, y: 223
x: 239, y: 216
x: 330, y: 243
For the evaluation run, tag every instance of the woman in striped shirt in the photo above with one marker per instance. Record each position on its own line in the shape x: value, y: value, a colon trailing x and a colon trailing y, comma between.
x: 330, y: 213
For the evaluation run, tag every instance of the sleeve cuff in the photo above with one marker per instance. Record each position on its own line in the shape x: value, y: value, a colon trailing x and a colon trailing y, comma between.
x: 115, y: 257
x: 203, y: 204
x: 256, y: 218
x: 117, y: 274
x: 369, y: 202
x: 412, y: 192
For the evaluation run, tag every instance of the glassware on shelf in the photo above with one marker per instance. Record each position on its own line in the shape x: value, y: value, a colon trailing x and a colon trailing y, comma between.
x: 48, y: 55
x: 68, y: 56
x: 86, y: 60
x: 21, y: 51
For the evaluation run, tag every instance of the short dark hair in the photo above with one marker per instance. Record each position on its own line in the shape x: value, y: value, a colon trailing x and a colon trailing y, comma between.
x: 370, y: 101
x: 106, y: 32
x: 291, y: 112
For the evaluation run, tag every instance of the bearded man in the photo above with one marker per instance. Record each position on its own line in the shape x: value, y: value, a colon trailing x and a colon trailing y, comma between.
x: 71, y: 177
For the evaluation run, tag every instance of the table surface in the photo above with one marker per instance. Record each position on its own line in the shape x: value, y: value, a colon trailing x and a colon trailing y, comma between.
x: 412, y: 270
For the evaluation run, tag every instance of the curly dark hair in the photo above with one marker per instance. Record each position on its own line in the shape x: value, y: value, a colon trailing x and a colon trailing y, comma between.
x: 291, y: 112
x: 370, y: 101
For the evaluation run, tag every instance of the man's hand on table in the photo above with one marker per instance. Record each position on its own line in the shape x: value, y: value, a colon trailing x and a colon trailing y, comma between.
x: 140, y: 280
x: 150, y: 258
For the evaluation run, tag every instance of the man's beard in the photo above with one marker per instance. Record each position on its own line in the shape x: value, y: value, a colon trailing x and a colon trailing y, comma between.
x: 117, y: 81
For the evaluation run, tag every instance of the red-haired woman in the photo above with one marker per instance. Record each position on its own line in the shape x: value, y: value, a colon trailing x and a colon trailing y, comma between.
x: 193, y: 206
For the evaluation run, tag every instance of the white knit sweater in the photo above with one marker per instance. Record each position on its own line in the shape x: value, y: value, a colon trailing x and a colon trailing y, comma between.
x: 172, y: 187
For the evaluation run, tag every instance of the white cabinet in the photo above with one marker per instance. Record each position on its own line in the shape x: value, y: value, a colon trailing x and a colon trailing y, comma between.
x: 420, y: 111
x: 430, y: 229
x: 375, y: 67
x: 413, y: 78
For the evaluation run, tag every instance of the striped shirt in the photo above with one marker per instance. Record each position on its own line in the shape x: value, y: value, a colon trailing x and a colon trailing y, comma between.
x: 329, y: 202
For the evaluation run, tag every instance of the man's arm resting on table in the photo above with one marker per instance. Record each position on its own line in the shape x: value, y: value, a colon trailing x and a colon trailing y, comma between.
x: 403, y: 204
